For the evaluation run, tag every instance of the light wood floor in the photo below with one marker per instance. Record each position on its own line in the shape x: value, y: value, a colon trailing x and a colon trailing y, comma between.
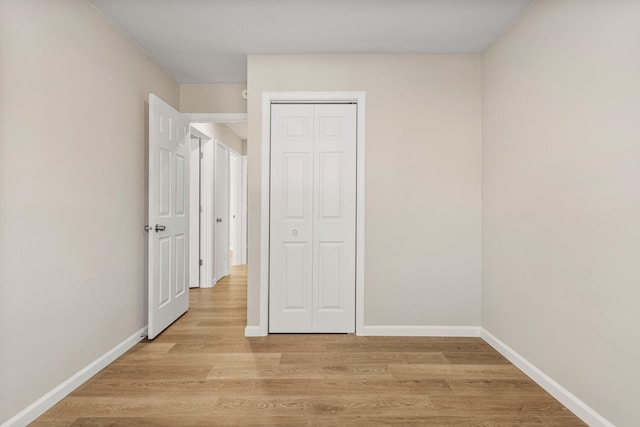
x: 202, y: 371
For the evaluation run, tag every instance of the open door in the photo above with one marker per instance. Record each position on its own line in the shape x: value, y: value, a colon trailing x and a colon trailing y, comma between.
x: 168, y: 225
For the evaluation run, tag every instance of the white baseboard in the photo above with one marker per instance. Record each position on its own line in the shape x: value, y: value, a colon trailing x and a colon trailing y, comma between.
x: 564, y: 396
x: 254, y: 331
x: 420, y: 331
x: 47, y: 401
x: 208, y: 286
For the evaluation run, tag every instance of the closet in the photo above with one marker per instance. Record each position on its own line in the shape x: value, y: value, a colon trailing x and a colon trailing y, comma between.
x: 312, y: 259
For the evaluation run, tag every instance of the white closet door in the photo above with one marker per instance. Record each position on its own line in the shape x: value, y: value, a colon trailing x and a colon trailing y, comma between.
x: 312, y: 230
x: 334, y: 218
x: 291, y: 233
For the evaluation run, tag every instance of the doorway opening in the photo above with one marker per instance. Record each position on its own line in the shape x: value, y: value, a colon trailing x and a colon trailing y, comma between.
x: 218, y: 200
x: 188, y: 206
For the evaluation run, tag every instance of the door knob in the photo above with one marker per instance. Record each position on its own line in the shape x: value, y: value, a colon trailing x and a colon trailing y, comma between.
x: 160, y: 227
x: 148, y: 228
x: 218, y: 219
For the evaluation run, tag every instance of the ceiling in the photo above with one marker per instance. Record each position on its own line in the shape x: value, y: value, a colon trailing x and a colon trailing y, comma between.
x: 207, y: 41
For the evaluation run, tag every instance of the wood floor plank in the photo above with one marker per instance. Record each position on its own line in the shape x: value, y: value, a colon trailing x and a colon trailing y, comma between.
x: 170, y: 360
x: 483, y: 405
x: 401, y: 345
x: 383, y: 405
x: 455, y: 372
x: 562, y: 421
x: 428, y: 420
x: 202, y: 371
x: 116, y: 370
x: 495, y: 387
x: 480, y: 358
x: 309, y: 359
x: 158, y: 404
x: 309, y: 373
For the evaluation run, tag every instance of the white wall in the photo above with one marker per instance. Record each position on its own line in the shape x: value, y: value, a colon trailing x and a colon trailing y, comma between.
x: 422, y: 178
x: 72, y: 192
x: 561, y: 197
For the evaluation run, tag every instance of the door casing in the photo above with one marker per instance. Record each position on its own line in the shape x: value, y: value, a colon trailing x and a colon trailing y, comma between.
x: 221, y: 209
x: 268, y: 98
x: 201, y: 165
x: 208, y: 191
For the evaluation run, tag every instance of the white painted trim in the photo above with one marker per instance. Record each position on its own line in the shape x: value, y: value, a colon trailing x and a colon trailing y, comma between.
x: 196, y: 133
x: 208, y: 213
x: 564, y: 396
x: 47, y: 401
x: 216, y: 117
x: 360, y: 164
x: 243, y: 210
x: 253, y: 331
x: 420, y: 331
x: 267, y: 98
x: 195, y: 269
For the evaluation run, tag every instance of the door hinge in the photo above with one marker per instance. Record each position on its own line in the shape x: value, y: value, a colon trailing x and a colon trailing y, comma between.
x: 201, y: 155
x: 201, y: 262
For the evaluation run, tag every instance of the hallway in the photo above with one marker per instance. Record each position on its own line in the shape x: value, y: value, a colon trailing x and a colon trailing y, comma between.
x: 202, y: 371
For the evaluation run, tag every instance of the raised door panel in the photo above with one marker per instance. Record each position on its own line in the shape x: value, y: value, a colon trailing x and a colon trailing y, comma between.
x: 164, y: 271
x: 330, y: 180
x: 181, y: 265
x: 181, y: 190
x: 295, y: 278
x: 330, y: 276
x: 164, y: 174
x: 295, y: 186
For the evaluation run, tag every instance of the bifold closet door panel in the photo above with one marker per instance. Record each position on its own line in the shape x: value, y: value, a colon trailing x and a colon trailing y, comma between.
x: 334, y: 218
x: 291, y: 217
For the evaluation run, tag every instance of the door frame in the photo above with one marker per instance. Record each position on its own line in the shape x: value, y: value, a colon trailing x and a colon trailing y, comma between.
x: 196, y: 193
x: 208, y: 278
x: 268, y: 98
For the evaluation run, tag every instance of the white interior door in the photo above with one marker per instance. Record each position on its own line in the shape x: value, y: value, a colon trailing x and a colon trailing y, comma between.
x: 235, y: 214
x: 168, y: 215
x: 222, y: 210
x: 313, y: 212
